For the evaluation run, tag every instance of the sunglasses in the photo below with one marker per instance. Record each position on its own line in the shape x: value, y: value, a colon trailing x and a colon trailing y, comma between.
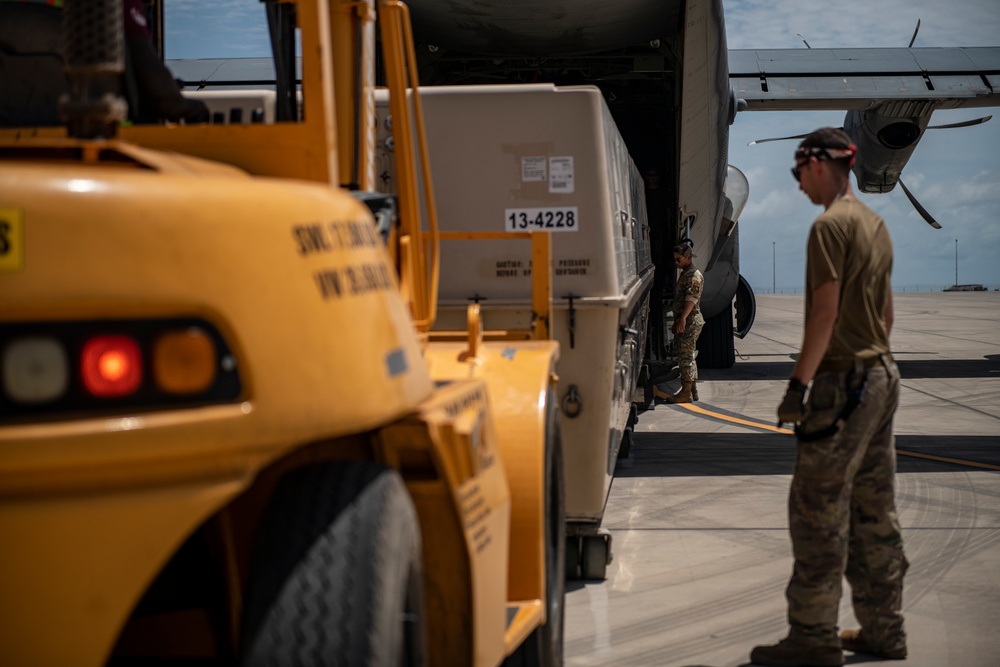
x: 796, y: 168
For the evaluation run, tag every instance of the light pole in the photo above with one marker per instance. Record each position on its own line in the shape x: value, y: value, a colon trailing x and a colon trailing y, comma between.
x: 956, y: 262
x: 773, y: 269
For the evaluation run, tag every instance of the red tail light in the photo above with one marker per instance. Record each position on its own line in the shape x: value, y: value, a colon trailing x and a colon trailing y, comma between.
x: 111, y: 366
x: 90, y: 368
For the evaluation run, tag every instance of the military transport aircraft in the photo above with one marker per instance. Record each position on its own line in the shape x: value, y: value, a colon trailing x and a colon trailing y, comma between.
x: 674, y: 90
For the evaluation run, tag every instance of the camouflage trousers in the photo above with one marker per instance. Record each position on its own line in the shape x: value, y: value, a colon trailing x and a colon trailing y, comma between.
x: 686, y: 344
x: 842, y: 514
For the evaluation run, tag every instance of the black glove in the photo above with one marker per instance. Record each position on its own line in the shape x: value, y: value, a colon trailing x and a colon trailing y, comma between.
x: 792, y: 407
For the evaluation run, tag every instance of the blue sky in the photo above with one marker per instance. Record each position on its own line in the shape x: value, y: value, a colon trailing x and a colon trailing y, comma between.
x: 954, y: 173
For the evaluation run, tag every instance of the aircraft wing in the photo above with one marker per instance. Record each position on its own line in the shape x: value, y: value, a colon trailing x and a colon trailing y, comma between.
x: 843, y: 79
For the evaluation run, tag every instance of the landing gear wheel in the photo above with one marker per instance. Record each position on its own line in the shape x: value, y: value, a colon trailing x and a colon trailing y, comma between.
x: 337, y: 576
x: 715, y: 344
x: 544, y: 648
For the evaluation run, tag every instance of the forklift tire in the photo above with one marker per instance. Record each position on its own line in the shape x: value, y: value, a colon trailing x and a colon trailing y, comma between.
x: 337, y: 575
x: 544, y: 647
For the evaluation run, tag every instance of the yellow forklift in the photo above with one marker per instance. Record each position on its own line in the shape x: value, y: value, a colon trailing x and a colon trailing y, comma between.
x: 227, y: 435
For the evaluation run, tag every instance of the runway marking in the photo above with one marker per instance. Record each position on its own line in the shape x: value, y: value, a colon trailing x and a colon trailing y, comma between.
x: 743, y: 421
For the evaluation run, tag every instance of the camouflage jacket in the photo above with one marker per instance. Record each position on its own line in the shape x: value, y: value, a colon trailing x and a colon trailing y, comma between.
x: 688, y: 288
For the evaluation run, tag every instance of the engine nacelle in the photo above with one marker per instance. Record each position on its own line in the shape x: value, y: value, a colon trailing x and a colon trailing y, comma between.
x: 886, y: 137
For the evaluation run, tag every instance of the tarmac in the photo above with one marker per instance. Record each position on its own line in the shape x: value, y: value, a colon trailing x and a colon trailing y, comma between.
x: 698, y: 515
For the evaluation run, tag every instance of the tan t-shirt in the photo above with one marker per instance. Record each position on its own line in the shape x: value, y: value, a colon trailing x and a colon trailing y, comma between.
x: 849, y: 243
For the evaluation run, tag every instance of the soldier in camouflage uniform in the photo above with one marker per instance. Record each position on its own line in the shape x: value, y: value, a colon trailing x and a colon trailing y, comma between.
x: 687, y: 326
x: 841, y: 507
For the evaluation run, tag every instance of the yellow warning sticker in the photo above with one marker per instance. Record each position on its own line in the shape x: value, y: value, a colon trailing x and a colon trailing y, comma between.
x: 11, y: 239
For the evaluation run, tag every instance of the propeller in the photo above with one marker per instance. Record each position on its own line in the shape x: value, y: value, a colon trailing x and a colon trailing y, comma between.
x: 914, y: 38
x: 920, y: 209
x: 964, y: 123
x: 764, y: 141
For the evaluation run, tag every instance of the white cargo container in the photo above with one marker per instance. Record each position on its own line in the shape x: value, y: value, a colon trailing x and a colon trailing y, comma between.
x: 513, y: 158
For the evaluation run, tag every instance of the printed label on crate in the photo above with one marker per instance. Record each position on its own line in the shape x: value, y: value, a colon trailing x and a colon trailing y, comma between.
x: 533, y: 168
x: 561, y: 175
x: 545, y: 219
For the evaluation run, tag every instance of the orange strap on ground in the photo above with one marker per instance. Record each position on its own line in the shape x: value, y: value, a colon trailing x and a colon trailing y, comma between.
x: 756, y: 424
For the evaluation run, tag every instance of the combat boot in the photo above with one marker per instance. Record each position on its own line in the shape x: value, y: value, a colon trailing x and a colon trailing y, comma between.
x: 856, y: 642
x: 683, y: 395
x: 791, y: 653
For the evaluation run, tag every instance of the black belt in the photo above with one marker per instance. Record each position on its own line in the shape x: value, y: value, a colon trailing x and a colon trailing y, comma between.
x: 855, y: 391
x: 841, y: 365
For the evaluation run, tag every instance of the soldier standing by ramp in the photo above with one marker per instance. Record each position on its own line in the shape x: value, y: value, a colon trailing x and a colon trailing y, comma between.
x: 841, y: 507
x: 688, y: 323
